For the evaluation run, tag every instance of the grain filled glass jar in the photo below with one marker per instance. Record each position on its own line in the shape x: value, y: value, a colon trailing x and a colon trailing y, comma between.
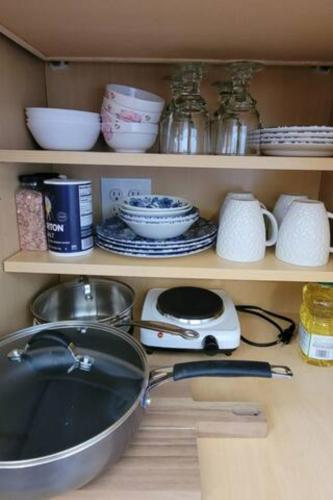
x: 30, y: 211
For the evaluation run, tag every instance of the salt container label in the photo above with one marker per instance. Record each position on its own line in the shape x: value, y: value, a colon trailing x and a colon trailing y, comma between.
x: 69, y: 218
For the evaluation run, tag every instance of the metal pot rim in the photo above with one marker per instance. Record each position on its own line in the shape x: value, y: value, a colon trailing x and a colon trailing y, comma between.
x: 33, y: 462
x: 71, y: 284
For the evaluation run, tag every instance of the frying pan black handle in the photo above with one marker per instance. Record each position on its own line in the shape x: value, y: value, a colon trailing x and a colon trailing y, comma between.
x: 222, y: 368
x: 216, y: 368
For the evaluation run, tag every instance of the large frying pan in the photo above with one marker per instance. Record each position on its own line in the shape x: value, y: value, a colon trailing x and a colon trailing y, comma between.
x: 72, y: 395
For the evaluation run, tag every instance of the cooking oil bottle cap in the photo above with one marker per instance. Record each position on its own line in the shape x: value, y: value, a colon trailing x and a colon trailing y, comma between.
x: 327, y: 285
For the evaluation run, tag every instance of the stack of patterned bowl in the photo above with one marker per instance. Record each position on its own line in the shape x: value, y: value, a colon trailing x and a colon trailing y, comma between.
x: 156, y: 226
x: 130, y: 118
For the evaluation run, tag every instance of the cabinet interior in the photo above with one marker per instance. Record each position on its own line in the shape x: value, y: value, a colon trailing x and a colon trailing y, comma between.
x: 285, y: 95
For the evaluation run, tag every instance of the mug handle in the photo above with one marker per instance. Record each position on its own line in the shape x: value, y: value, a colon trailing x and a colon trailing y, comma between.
x: 272, y: 240
x: 330, y: 216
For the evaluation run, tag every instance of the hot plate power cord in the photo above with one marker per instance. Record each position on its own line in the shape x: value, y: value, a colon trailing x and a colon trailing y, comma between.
x: 284, y: 335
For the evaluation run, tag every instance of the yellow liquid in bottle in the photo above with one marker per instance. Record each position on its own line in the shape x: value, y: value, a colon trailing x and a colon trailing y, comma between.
x: 316, y: 325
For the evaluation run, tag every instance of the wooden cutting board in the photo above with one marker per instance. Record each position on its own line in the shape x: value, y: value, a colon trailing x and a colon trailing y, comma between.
x: 162, y: 461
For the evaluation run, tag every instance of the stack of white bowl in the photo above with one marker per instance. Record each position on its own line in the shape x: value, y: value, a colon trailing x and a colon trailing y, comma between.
x: 130, y: 118
x: 158, y: 216
x: 63, y: 129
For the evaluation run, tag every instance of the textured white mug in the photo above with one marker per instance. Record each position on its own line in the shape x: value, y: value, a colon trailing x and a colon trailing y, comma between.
x: 304, y: 234
x: 241, y: 195
x: 241, y: 234
x: 283, y: 203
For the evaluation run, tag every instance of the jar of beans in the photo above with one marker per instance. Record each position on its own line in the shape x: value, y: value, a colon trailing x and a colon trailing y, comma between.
x: 30, y: 211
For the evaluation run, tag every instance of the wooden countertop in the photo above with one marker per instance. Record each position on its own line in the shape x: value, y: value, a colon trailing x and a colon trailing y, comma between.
x: 294, y: 462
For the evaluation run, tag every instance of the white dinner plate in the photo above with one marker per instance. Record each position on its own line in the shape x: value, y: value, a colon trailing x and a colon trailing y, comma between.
x: 297, y: 149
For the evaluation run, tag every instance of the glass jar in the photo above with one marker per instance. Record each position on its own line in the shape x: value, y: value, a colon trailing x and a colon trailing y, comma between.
x: 30, y: 211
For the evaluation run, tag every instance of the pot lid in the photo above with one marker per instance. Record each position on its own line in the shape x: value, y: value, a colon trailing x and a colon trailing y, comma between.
x: 86, y: 299
x: 190, y: 303
x: 78, y: 379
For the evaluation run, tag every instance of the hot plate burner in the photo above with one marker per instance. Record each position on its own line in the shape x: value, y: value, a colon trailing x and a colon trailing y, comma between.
x: 189, y: 304
x: 211, y: 313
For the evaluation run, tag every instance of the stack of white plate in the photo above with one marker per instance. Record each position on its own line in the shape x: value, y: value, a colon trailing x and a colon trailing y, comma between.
x: 63, y: 129
x: 294, y: 141
x: 158, y: 217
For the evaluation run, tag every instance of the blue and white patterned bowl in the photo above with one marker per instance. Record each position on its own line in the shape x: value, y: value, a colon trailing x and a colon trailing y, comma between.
x: 156, y: 205
x: 160, y: 230
x: 192, y: 215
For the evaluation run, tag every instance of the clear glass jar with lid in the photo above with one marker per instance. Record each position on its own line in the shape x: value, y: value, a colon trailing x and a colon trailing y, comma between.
x: 30, y: 211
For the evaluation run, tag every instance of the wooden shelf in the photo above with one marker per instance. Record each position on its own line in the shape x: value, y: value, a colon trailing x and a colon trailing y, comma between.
x: 163, y: 160
x: 169, y: 31
x: 205, y: 265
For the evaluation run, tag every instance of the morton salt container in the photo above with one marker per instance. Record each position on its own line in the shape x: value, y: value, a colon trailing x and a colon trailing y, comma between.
x: 69, y: 217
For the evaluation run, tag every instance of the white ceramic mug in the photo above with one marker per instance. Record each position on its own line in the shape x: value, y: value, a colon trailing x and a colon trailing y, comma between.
x: 242, y: 235
x: 304, y: 234
x: 283, y: 203
x: 241, y: 195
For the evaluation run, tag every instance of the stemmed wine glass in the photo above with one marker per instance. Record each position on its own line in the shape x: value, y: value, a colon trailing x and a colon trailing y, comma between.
x: 241, y: 117
x: 188, y: 128
x: 167, y: 115
x: 224, y: 89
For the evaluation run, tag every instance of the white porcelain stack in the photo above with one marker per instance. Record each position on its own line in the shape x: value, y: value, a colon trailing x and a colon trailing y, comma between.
x: 130, y: 118
x: 294, y: 141
x: 158, y: 217
x: 63, y: 129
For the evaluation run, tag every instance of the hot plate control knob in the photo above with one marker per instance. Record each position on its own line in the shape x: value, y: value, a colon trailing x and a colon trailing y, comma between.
x: 210, y: 345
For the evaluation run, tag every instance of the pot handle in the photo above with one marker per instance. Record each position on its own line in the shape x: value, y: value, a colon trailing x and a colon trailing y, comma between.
x: 49, y: 338
x: 160, y: 326
x: 217, y: 368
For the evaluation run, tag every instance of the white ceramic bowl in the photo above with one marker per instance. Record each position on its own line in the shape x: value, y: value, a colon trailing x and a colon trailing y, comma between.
x: 160, y: 230
x: 116, y: 125
x: 62, y: 135
x: 129, y: 142
x: 126, y: 114
x: 134, y: 98
x: 62, y: 114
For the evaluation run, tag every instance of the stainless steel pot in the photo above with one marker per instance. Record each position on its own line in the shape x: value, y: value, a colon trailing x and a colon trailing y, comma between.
x: 72, y: 395
x: 86, y: 299
x: 97, y: 300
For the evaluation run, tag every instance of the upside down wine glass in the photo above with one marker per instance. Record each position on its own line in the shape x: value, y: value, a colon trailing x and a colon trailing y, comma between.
x: 241, y: 117
x: 189, y: 128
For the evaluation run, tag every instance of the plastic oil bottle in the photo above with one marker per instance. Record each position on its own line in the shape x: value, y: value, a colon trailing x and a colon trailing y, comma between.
x: 316, y: 324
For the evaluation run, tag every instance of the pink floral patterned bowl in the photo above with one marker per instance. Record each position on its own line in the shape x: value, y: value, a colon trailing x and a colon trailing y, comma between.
x: 116, y: 125
x: 129, y: 142
x: 134, y: 98
x: 125, y: 114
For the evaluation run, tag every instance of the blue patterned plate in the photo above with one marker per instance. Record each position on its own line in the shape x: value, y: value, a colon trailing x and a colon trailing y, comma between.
x: 147, y: 249
x: 111, y: 249
x: 116, y: 231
